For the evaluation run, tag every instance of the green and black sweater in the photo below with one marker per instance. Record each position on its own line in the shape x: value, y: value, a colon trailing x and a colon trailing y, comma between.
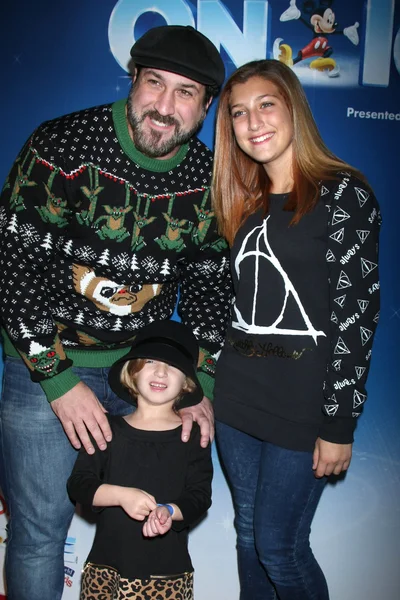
x: 96, y: 238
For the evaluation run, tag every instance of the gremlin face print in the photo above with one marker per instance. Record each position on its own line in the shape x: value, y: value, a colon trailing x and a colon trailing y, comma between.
x: 207, y: 362
x: 107, y: 295
x: 42, y: 359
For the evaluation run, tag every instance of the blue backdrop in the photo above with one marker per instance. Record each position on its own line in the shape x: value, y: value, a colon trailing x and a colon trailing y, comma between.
x: 64, y: 56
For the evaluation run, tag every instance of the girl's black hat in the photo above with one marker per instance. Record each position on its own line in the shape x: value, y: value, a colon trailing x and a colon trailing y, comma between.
x: 167, y: 341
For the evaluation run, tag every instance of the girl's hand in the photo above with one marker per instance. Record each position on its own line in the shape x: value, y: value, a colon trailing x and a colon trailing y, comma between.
x: 158, y: 523
x: 330, y: 458
x: 138, y: 504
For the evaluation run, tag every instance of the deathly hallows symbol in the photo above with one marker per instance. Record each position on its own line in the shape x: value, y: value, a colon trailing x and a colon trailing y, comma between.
x: 330, y: 257
x: 344, y: 281
x: 362, y: 196
x: 339, y: 215
x: 367, y: 266
x: 324, y: 191
x: 341, y: 300
x: 360, y: 371
x: 338, y: 236
x: 358, y: 398
x: 365, y: 335
x: 331, y: 409
x: 363, y: 234
x: 336, y: 364
x: 341, y: 347
x: 259, y: 248
x: 363, y: 305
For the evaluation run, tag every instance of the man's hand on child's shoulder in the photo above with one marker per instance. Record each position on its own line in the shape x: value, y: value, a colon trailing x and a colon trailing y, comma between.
x: 203, y: 414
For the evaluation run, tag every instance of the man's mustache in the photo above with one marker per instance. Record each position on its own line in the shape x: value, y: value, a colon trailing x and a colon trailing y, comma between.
x: 164, y: 119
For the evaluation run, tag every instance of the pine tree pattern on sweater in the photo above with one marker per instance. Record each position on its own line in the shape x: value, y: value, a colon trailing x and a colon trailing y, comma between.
x: 96, y: 239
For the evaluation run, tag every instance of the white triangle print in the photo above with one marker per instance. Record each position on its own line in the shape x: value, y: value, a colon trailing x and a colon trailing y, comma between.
x: 341, y: 347
x: 336, y: 364
x: 324, y: 191
x: 330, y: 257
x: 333, y: 398
x: 256, y: 244
x: 365, y: 335
x: 355, y: 415
x: 362, y: 196
x: 339, y: 215
x: 360, y: 371
x: 331, y: 409
x: 376, y: 317
x: 344, y: 281
x: 334, y: 318
x: 363, y: 234
x: 358, y: 398
x: 338, y: 236
x: 363, y: 305
x: 367, y: 266
x: 341, y: 300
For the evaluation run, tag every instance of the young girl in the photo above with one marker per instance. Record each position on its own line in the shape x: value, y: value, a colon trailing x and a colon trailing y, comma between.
x: 148, y: 485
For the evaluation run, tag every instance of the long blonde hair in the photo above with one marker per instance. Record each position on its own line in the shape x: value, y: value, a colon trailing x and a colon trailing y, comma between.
x: 241, y: 185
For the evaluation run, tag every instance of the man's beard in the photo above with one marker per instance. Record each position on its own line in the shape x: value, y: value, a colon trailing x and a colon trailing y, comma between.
x: 150, y: 142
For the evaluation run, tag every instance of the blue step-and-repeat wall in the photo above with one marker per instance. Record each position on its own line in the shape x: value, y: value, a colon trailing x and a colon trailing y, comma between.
x: 58, y: 57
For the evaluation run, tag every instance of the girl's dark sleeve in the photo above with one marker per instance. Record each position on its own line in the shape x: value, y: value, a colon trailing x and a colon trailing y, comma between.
x: 353, y: 234
x: 87, y: 475
x: 195, y: 499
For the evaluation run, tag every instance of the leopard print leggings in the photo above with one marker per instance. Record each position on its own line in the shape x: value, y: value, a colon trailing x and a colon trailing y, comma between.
x: 105, y: 583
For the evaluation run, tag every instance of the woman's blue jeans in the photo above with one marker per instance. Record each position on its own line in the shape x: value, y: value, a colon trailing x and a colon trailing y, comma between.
x: 37, y: 461
x: 275, y: 495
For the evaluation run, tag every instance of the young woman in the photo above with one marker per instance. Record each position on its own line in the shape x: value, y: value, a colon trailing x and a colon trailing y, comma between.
x: 303, y: 228
x: 151, y: 485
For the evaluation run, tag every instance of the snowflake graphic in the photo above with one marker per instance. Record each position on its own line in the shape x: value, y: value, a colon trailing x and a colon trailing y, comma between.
x: 212, y: 336
x: 44, y: 326
x: 207, y: 267
x: 62, y: 313
x: 29, y: 234
x: 99, y: 323
x: 121, y: 262
x: 150, y: 264
x: 135, y: 324
x: 86, y: 253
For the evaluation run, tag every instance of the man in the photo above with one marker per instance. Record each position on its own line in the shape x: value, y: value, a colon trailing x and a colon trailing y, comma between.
x: 105, y: 212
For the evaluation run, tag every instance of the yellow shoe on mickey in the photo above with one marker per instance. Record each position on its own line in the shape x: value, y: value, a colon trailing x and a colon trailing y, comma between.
x: 323, y: 64
x: 285, y: 55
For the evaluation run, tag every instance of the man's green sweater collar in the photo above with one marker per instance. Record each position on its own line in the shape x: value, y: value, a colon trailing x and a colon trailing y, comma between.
x: 150, y: 164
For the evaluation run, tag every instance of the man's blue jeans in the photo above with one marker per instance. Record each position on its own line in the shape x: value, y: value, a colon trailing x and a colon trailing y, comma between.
x: 38, y: 460
x: 275, y: 495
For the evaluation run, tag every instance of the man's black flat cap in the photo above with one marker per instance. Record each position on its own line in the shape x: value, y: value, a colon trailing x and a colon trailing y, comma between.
x: 181, y: 50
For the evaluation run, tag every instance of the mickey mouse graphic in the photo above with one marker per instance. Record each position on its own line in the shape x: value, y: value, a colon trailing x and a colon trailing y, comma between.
x: 320, y: 18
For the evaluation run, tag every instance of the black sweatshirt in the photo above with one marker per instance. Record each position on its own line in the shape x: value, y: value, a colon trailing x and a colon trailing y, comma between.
x: 159, y: 463
x: 298, y: 350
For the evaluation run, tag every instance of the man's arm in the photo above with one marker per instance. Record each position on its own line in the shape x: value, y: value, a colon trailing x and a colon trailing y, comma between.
x: 204, y: 306
x: 31, y: 227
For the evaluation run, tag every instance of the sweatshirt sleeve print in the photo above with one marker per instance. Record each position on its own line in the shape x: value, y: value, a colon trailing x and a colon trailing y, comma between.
x: 352, y: 258
x: 206, y: 293
x: 33, y: 214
